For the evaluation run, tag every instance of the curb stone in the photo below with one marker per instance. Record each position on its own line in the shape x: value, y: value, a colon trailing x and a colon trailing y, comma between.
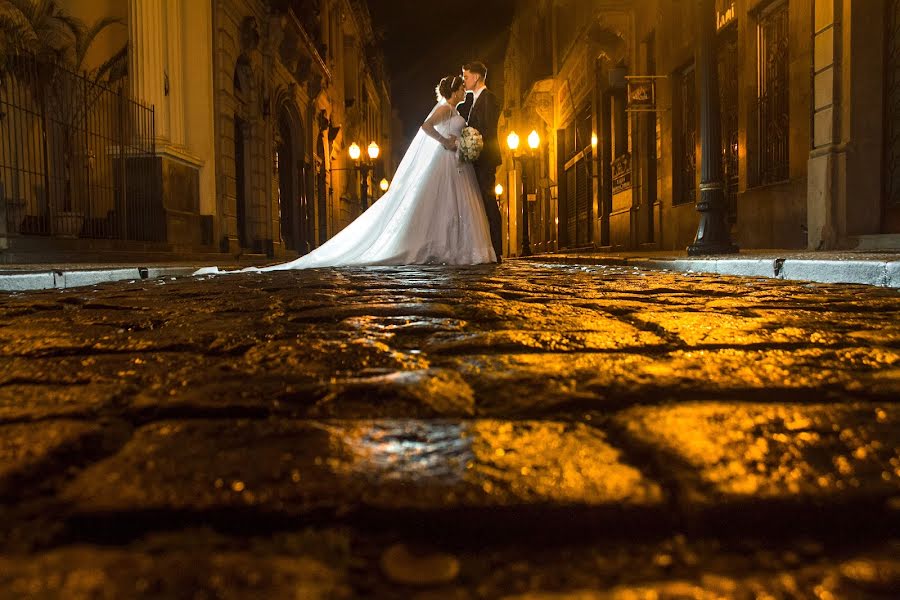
x: 836, y: 271
x: 22, y: 282
x: 866, y: 272
x: 877, y: 273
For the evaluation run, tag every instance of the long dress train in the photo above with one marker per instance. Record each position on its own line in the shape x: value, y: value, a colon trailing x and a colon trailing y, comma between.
x: 432, y: 214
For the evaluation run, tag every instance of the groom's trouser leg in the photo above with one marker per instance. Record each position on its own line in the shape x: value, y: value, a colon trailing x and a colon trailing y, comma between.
x: 485, y: 177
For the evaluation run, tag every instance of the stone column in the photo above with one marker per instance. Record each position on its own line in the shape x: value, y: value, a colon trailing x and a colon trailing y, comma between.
x: 147, y: 59
x: 175, y: 59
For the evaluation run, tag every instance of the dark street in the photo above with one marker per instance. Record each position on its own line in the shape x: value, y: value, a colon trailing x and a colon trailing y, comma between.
x: 521, y: 431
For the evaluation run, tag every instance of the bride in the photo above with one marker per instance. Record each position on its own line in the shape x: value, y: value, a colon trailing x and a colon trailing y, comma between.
x: 432, y: 214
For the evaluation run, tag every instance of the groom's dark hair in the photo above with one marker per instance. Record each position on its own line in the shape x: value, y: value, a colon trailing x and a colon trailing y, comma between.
x: 476, y: 67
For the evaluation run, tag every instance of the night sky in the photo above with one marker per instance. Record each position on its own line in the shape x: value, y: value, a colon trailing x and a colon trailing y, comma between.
x: 425, y: 40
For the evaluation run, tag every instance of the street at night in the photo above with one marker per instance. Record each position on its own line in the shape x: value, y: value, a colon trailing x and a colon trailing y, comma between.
x: 528, y: 430
x: 476, y: 300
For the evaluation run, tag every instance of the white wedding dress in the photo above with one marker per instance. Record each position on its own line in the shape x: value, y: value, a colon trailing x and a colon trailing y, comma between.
x: 432, y: 214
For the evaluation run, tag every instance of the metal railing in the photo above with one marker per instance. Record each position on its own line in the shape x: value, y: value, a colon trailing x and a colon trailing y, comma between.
x: 77, y: 159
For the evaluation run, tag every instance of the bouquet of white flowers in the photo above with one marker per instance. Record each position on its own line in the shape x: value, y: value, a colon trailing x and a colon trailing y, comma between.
x: 469, y: 145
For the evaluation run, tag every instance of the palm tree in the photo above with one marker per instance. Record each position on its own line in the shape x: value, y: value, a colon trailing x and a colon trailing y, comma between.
x: 43, y: 46
x: 55, y: 38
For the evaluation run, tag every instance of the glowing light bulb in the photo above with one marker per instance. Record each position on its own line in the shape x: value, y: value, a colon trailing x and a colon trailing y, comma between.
x: 512, y: 140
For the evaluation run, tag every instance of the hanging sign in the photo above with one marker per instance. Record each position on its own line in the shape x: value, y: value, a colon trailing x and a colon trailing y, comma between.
x: 641, y: 93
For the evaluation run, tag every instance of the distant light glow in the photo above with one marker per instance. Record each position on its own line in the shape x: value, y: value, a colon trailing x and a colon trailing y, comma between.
x: 534, y: 140
x: 498, y: 190
x: 355, y: 151
x: 384, y: 185
x: 374, y: 150
x: 512, y: 140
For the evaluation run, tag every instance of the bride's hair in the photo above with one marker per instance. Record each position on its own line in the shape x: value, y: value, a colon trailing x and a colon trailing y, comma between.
x: 447, y: 86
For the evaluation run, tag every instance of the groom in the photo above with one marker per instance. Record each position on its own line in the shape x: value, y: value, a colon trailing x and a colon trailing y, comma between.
x: 481, y: 110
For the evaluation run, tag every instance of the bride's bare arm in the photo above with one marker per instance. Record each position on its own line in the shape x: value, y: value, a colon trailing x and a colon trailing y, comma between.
x: 441, y: 114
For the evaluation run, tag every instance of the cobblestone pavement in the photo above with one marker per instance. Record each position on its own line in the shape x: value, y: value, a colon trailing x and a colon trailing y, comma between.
x: 525, y: 431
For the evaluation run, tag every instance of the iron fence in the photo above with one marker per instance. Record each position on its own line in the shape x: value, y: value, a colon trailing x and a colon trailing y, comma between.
x: 77, y: 158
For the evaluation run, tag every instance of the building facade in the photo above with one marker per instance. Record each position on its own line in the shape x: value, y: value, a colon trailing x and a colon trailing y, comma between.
x: 807, y: 107
x: 251, y: 106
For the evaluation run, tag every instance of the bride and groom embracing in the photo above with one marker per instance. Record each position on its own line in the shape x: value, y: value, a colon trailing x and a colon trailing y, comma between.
x: 440, y: 208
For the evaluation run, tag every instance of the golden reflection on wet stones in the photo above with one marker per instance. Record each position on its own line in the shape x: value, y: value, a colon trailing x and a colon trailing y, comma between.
x: 426, y: 464
x: 718, y: 329
x: 778, y: 451
x: 445, y: 392
x: 619, y: 337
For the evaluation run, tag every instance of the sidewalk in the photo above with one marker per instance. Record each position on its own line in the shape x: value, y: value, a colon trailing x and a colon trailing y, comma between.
x: 27, y: 277
x: 880, y: 268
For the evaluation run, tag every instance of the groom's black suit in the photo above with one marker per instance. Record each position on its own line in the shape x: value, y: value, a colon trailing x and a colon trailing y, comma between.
x: 484, y: 116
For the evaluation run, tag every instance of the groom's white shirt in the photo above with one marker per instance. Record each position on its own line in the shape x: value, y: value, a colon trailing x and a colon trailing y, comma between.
x: 475, y: 95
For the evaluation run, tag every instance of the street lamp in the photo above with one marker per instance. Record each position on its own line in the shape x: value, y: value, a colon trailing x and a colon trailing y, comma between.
x: 384, y: 185
x: 534, y: 141
x: 713, y: 232
x: 512, y: 140
x: 364, y: 167
x: 498, y: 191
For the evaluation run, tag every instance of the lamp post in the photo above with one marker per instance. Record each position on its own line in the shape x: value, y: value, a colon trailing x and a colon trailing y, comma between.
x: 364, y: 166
x: 534, y: 141
x: 498, y: 191
x: 713, y: 233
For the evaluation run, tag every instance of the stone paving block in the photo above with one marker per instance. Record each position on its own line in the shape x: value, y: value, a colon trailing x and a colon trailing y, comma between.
x: 412, y: 394
x: 39, y: 401
x: 293, y: 467
x: 705, y: 328
x: 92, y: 572
x: 544, y: 383
x: 684, y: 568
x: 322, y: 355
x: 623, y: 337
x: 39, y: 339
x: 544, y: 314
x: 776, y: 451
x: 394, y: 309
x: 372, y: 393
x: 29, y: 451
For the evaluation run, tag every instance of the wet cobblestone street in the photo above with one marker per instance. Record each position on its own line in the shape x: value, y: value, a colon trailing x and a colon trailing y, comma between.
x: 527, y: 431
